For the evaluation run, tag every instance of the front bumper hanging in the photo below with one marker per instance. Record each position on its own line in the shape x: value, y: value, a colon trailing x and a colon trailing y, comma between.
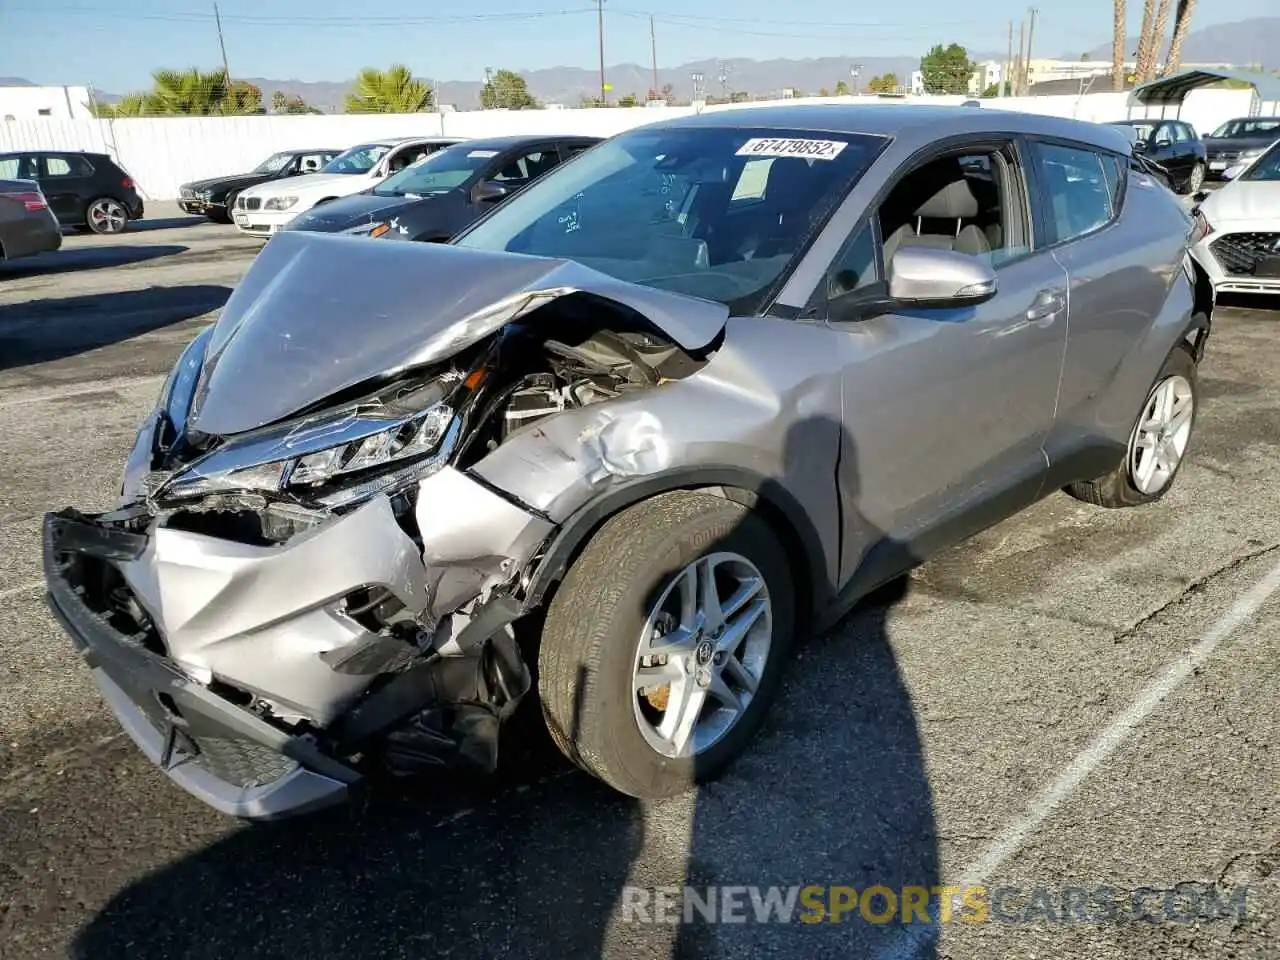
x: 221, y: 753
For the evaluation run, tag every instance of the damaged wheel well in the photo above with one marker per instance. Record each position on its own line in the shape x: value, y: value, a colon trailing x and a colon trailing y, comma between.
x: 774, y: 504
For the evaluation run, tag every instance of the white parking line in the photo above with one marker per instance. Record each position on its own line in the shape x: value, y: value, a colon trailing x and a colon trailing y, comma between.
x: 980, y: 870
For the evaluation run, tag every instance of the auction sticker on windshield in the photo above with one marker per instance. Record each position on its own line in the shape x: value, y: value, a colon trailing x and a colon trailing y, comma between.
x: 808, y: 149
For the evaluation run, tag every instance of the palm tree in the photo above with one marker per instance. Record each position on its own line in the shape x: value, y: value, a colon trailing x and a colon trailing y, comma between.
x: 1119, y: 37
x: 1157, y: 37
x: 1181, y: 23
x: 1145, y: 39
x: 388, y: 91
x: 191, y: 92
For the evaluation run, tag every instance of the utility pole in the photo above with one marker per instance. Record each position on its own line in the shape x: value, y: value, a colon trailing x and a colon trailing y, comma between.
x: 1021, y: 61
x: 600, y: 33
x: 653, y: 52
x: 1008, y: 64
x: 1031, y: 32
x: 226, y: 70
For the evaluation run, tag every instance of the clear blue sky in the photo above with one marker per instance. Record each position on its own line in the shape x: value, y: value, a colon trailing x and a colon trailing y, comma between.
x: 115, y: 44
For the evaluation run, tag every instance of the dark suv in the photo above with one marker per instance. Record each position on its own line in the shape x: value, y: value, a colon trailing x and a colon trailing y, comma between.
x: 1175, y: 146
x: 83, y: 189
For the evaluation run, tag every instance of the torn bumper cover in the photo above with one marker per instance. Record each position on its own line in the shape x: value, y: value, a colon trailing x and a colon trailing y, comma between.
x: 223, y: 754
x: 241, y: 672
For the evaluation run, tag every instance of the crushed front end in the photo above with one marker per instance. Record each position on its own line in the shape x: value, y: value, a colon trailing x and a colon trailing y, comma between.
x: 306, y: 582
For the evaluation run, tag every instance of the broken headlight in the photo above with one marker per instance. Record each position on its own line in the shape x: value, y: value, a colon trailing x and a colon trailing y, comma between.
x: 336, y: 461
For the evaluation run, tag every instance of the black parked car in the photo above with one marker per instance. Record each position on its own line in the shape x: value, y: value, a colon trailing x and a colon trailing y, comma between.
x: 436, y: 197
x: 83, y: 189
x: 1238, y: 141
x: 215, y: 196
x: 1175, y: 146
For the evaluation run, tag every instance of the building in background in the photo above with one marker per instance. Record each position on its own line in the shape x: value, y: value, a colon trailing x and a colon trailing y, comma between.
x: 56, y: 103
x: 988, y: 73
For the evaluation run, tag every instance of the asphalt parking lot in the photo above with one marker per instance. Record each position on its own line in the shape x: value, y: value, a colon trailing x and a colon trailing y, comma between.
x: 1077, y: 698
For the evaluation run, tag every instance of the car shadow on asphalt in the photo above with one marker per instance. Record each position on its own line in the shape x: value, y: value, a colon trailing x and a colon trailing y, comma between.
x: 40, y: 331
x: 167, y: 223
x: 87, y: 258
x: 543, y: 861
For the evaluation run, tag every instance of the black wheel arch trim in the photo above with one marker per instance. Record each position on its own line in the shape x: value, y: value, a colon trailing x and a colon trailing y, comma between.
x: 788, y: 518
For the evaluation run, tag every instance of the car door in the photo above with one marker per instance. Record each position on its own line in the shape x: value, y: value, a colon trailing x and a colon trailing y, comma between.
x: 1115, y: 291
x: 947, y: 409
x: 66, y: 180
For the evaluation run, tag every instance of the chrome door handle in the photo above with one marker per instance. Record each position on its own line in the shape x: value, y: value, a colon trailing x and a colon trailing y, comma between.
x: 1048, y: 304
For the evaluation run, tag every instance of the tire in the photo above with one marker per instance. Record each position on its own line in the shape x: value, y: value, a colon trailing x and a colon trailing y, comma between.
x: 591, y: 640
x: 1122, y: 487
x: 1195, y: 180
x: 226, y: 216
x: 106, y: 215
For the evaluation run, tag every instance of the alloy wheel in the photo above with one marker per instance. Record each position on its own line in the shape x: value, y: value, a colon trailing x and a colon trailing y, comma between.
x: 107, y: 216
x: 702, y: 654
x: 1196, y: 180
x: 1160, y: 438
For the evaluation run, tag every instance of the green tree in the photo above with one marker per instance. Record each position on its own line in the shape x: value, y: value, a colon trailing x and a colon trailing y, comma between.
x: 886, y: 83
x: 241, y: 99
x: 508, y: 90
x: 388, y: 91
x: 946, y: 69
x: 842, y: 88
x: 130, y: 105
x: 282, y: 102
x: 187, y: 93
x: 993, y: 90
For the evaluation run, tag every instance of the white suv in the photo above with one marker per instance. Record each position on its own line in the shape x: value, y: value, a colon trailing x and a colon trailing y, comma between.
x: 262, y: 211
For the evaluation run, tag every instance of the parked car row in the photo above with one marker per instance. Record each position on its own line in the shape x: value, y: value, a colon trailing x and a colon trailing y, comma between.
x: 624, y: 437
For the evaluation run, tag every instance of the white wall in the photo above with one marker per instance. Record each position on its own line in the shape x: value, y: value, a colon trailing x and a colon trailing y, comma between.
x: 162, y: 153
x: 62, y: 103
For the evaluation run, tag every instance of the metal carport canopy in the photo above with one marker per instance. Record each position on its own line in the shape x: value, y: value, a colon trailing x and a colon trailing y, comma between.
x: 1174, y: 88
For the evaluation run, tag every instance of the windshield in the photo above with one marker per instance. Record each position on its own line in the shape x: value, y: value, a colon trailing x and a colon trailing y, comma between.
x: 359, y: 159
x: 274, y: 163
x: 1266, y: 167
x: 438, y: 172
x: 710, y: 212
x: 1253, y: 127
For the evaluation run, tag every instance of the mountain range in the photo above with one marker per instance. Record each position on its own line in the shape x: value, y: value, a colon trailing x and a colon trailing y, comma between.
x: 1255, y: 41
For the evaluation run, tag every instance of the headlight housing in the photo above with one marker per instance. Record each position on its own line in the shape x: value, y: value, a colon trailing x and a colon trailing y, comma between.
x: 336, y: 460
x: 279, y: 203
x: 1252, y: 152
x: 375, y: 229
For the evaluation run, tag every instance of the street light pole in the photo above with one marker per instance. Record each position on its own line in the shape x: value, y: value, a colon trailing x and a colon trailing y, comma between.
x: 600, y: 35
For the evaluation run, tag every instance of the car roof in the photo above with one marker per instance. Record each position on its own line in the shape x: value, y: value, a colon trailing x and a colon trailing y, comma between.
x: 313, y: 150
x: 519, y: 140
x: 890, y: 120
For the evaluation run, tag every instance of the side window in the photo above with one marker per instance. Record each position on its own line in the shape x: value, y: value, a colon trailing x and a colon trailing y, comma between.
x: 855, y: 267
x: 405, y: 157
x: 9, y: 168
x: 67, y: 167
x: 572, y: 150
x: 311, y: 162
x: 1177, y: 133
x: 1164, y: 134
x: 969, y: 202
x: 1076, y: 190
x: 527, y: 166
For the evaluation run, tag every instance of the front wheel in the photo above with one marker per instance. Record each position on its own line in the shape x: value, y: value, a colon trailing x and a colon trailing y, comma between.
x: 1157, y: 444
x: 106, y: 215
x: 666, y: 642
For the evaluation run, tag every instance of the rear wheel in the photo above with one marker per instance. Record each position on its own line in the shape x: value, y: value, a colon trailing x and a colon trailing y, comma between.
x: 225, y: 215
x: 1195, y: 179
x: 106, y: 215
x: 1157, y: 444
x: 665, y: 644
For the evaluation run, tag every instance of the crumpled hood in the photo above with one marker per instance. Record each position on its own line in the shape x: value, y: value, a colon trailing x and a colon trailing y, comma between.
x: 319, y: 313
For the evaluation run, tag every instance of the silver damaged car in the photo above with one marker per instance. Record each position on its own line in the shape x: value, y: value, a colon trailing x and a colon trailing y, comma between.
x: 617, y: 445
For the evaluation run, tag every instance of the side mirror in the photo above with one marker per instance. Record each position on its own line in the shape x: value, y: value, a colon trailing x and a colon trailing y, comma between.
x: 928, y: 277
x: 487, y: 191
x: 1200, y: 197
x: 1139, y: 146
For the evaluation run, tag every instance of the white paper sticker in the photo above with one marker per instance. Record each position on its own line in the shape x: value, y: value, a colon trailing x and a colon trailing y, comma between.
x: 483, y: 153
x: 778, y: 147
